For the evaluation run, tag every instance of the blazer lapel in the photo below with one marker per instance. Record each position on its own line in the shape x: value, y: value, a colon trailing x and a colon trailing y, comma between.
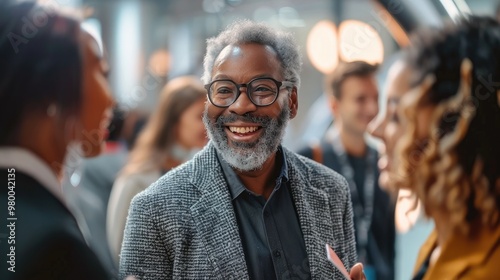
x: 462, y: 253
x: 313, y: 210
x: 215, y: 220
x: 425, y: 251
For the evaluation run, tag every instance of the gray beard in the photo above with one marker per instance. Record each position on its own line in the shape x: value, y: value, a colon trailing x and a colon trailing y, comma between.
x: 248, y: 156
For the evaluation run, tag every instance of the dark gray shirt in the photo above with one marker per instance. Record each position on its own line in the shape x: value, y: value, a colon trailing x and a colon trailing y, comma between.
x: 270, y: 231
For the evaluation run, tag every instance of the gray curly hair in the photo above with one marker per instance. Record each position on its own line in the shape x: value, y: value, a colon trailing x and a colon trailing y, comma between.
x: 246, y: 31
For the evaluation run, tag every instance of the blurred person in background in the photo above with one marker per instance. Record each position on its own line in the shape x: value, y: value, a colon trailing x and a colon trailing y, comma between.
x: 442, y: 135
x: 172, y: 135
x: 497, y: 13
x: 54, y: 95
x: 352, y: 94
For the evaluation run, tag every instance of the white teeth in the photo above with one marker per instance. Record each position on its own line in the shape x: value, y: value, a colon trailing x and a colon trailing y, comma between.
x: 242, y: 130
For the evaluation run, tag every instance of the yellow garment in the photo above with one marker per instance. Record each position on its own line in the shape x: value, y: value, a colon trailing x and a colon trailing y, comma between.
x: 464, y: 257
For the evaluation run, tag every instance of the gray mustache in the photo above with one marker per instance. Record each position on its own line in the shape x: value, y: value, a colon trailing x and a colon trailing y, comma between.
x: 263, y: 121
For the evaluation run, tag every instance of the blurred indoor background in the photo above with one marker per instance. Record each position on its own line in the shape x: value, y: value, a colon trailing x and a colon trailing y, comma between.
x: 149, y: 42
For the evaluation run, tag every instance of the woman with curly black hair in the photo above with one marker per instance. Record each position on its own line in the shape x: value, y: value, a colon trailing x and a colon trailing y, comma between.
x: 442, y: 136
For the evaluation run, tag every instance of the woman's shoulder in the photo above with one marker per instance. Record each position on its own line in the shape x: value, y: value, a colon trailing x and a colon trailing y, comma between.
x: 138, y: 179
x: 126, y: 186
x: 484, y: 263
x: 463, y: 257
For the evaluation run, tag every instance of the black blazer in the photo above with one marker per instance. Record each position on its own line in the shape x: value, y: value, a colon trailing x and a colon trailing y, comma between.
x: 48, y: 243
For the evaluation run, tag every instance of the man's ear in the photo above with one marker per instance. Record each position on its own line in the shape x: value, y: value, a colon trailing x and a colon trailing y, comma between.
x: 293, y: 102
x: 333, y: 104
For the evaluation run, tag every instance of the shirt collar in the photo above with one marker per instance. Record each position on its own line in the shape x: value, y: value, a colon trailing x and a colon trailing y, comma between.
x: 235, y: 185
x: 26, y: 162
x: 284, y: 166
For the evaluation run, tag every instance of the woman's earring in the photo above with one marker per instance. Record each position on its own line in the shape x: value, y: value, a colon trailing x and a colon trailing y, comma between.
x: 52, y: 110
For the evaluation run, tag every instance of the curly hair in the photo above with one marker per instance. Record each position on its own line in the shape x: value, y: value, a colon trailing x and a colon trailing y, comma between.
x: 246, y: 31
x: 456, y: 169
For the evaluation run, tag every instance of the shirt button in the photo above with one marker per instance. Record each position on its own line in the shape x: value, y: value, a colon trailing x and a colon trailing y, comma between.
x: 277, y: 253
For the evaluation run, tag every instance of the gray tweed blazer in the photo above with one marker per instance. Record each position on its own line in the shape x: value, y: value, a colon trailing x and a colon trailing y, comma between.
x: 184, y: 227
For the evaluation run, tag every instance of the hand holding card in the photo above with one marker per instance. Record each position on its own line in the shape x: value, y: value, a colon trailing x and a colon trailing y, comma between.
x: 335, y: 260
x: 356, y: 271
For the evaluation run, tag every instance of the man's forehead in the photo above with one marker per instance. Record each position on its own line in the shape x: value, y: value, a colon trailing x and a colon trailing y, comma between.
x: 360, y: 84
x: 236, y: 50
x: 229, y: 50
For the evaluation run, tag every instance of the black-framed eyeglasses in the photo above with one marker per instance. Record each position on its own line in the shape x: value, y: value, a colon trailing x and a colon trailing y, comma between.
x: 261, y: 91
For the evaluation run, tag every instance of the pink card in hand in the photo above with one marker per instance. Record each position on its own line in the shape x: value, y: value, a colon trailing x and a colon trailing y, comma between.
x: 335, y: 260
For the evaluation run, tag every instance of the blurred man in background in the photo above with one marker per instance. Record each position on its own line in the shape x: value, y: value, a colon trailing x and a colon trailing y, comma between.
x: 353, y: 100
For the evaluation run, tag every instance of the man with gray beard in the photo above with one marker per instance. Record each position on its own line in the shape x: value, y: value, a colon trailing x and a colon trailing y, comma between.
x: 245, y: 207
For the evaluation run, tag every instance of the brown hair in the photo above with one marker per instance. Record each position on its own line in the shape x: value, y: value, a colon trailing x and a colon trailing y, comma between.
x: 152, y: 146
x: 345, y: 70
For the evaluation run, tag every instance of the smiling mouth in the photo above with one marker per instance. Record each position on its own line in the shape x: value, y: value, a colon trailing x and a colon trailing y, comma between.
x: 243, y: 129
